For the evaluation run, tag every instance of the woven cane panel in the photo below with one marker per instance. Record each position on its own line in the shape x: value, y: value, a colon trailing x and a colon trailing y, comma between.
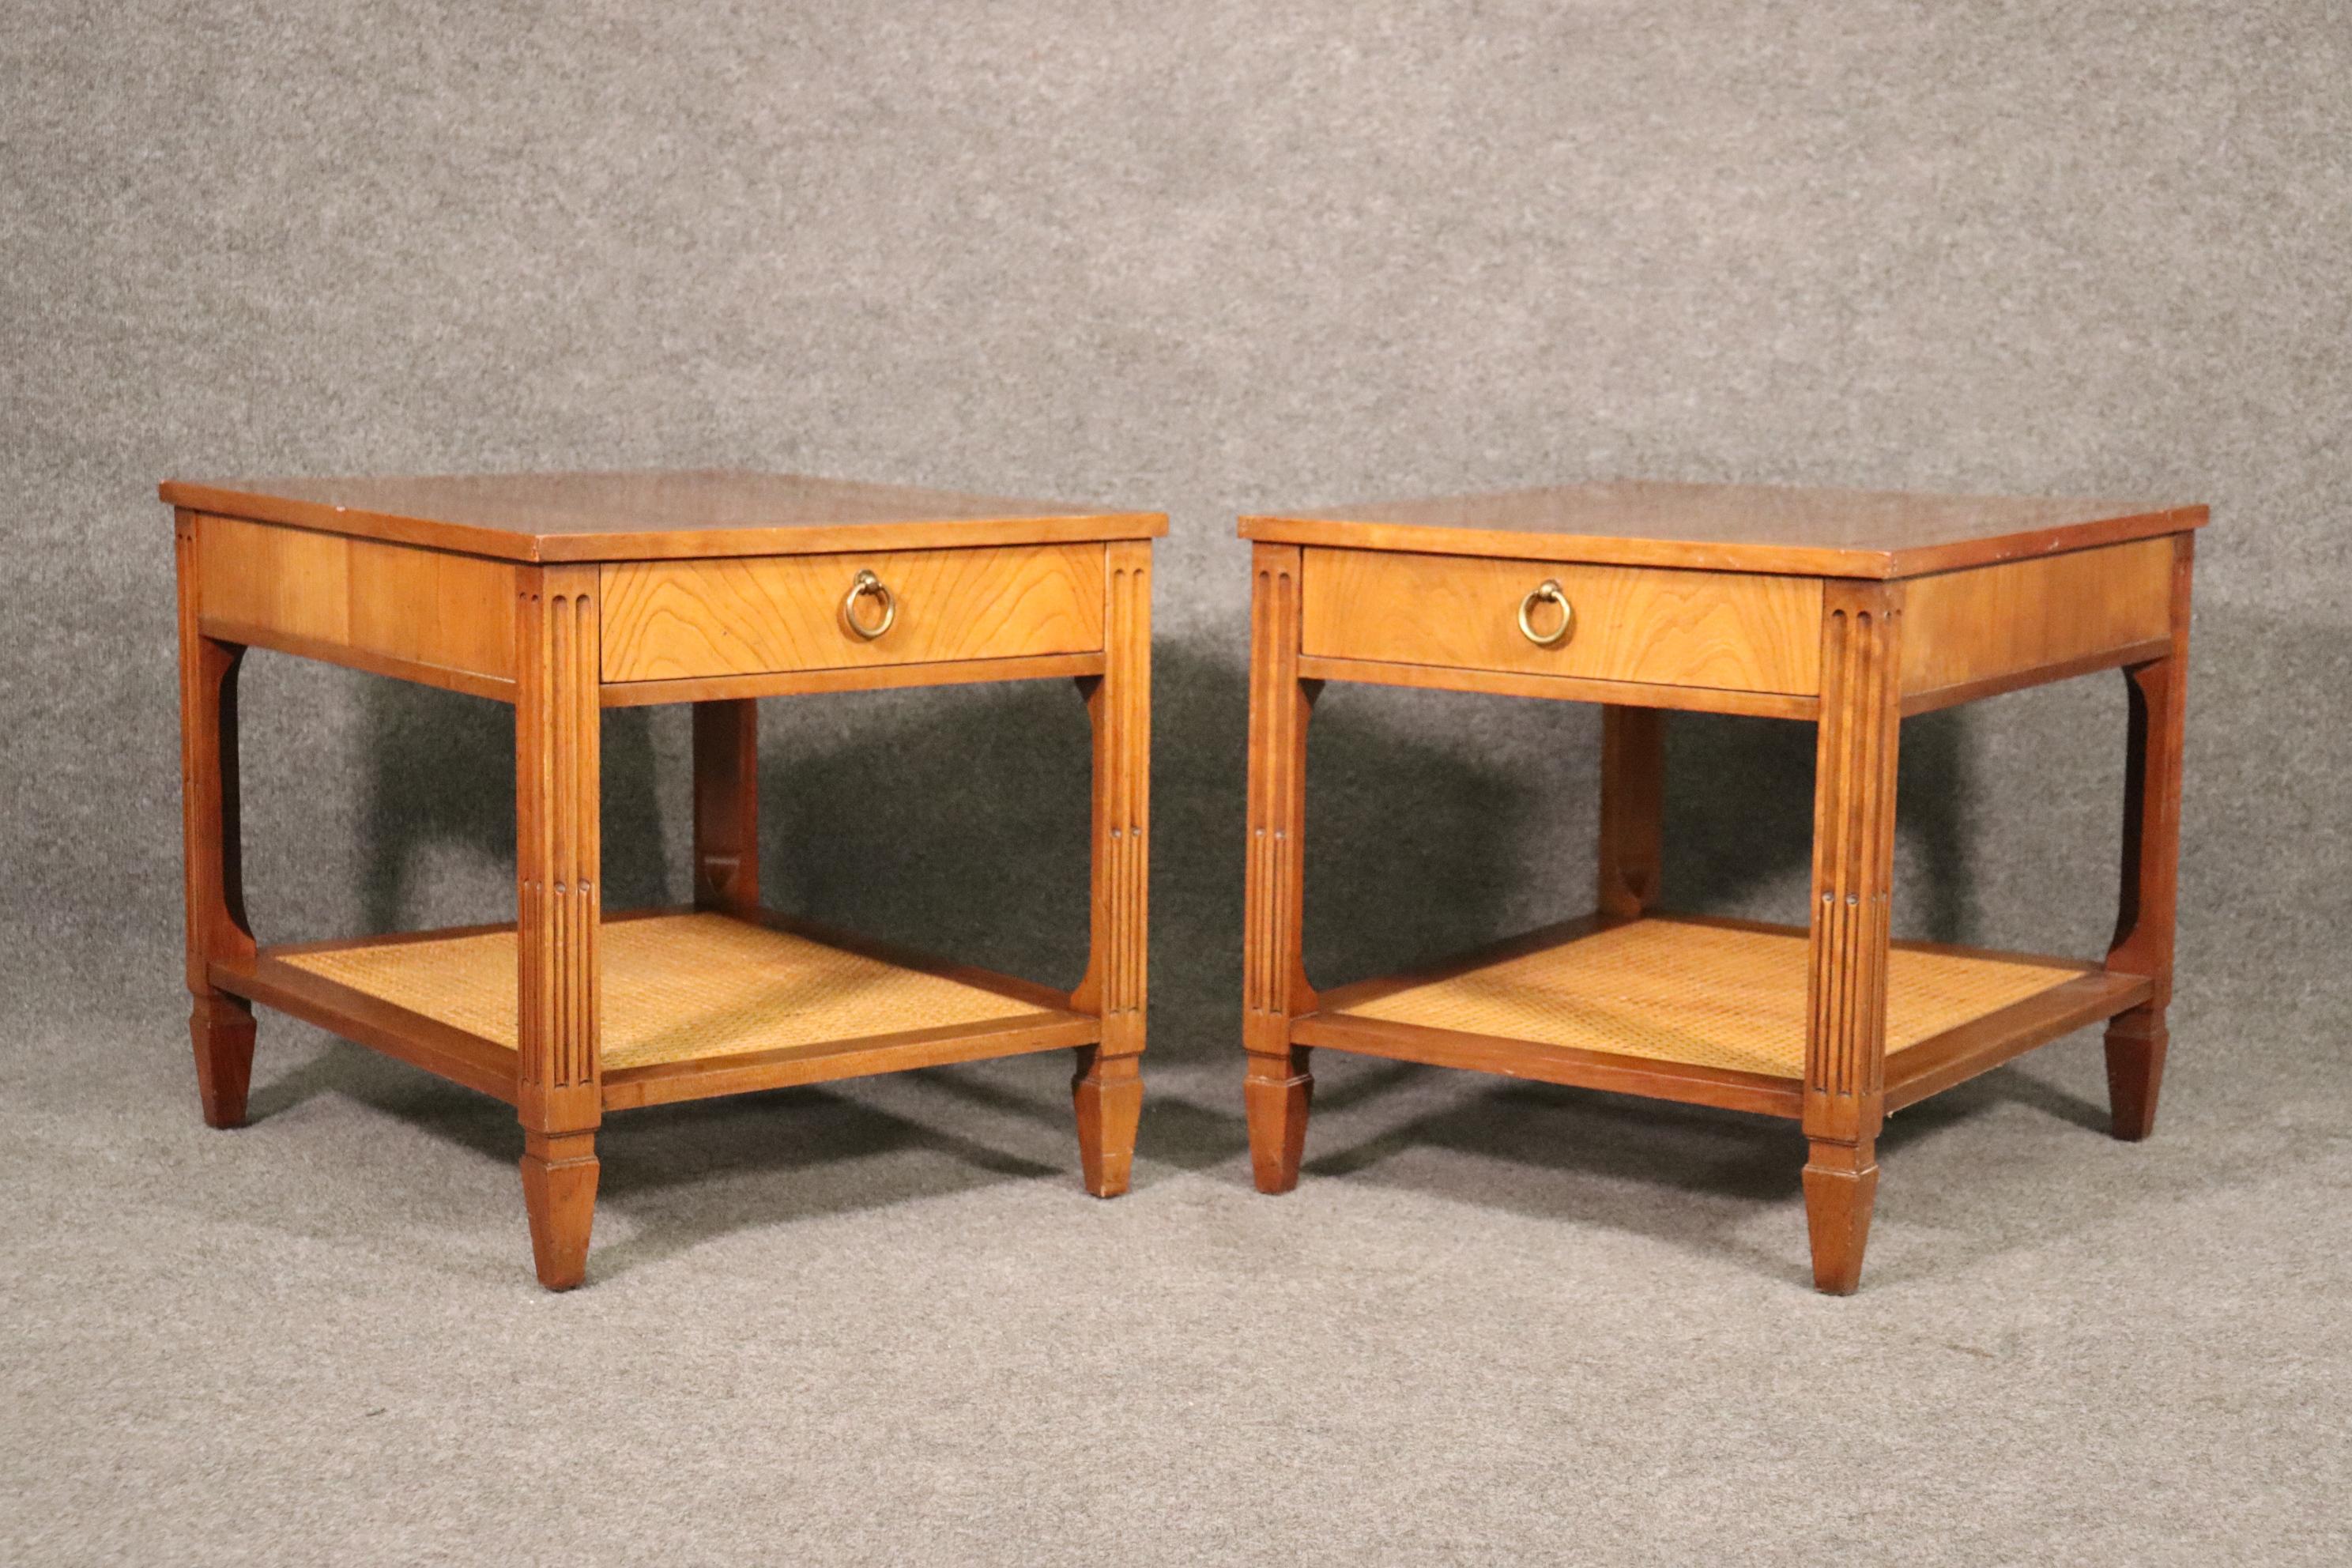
x: 676, y: 988
x: 1716, y: 996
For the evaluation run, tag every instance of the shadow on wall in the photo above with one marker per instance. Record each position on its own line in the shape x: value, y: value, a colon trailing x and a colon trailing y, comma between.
x: 955, y: 819
x: 1436, y: 822
x: 1739, y: 819
x: 440, y: 789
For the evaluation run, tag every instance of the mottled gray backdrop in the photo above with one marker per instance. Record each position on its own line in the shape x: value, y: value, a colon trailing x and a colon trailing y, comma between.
x: 1203, y: 258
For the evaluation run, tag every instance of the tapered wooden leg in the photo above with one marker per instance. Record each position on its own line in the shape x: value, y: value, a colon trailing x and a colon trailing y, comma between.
x: 1633, y: 809
x: 727, y: 804
x: 222, y: 1028
x: 1841, y: 1185
x: 1854, y: 873
x: 219, y: 1025
x: 559, y: 906
x: 1276, y: 1095
x: 2136, y: 1042
x: 2151, y: 869
x: 1109, y: 1088
x: 1109, y: 1095
x: 559, y: 1188
x: 1278, y: 1087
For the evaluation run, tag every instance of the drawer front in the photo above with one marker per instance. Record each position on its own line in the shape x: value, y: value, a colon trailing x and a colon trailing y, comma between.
x: 672, y: 620
x: 1728, y: 631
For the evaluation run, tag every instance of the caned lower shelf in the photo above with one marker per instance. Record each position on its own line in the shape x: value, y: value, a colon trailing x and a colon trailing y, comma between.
x: 693, y: 1004
x: 1706, y: 1010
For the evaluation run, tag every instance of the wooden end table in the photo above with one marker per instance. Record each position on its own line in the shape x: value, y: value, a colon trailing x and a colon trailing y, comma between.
x: 1849, y: 609
x: 566, y: 593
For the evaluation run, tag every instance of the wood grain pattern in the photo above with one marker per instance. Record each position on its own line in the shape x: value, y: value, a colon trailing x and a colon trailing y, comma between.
x: 1730, y: 527
x: 1277, y: 1087
x: 1965, y: 629
x: 1107, y: 1089
x: 1317, y: 668
x: 1729, y: 631
x: 657, y: 516
x: 727, y: 804
x: 673, y: 620
x: 1854, y: 875
x: 1631, y: 855
x: 875, y: 677
x: 558, y: 898
x: 220, y: 1024
x: 421, y: 615
x: 2150, y: 906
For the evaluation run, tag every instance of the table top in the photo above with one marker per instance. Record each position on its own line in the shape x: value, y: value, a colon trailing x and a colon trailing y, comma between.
x: 1731, y: 528
x: 653, y: 515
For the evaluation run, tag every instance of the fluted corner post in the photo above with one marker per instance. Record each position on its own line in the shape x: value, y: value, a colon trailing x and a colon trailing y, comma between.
x: 1108, y: 1088
x: 1854, y: 875
x: 1633, y: 809
x: 2151, y: 870
x: 1278, y: 1087
x: 558, y: 898
x: 220, y: 1026
x: 727, y: 804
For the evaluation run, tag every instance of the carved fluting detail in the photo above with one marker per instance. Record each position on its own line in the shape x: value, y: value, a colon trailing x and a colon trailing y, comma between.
x: 1277, y: 718
x: 1119, y: 702
x: 1853, y: 872
x: 1127, y: 789
x: 1277, y: 1087
x: 557, y: 893
x: 1108, y: 1091
x: 1853, y: 849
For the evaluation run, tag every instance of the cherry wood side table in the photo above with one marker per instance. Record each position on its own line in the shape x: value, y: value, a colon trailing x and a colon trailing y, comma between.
x: 564, y: 594
x: 1848, y: 609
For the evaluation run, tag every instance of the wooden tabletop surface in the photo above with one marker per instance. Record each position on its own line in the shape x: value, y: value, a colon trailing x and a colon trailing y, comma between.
x: 1736, y: 528
x: 653, y: 516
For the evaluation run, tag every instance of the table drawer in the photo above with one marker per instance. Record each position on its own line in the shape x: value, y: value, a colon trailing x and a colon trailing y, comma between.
x: 1723, y: 630
x: 670, y: 620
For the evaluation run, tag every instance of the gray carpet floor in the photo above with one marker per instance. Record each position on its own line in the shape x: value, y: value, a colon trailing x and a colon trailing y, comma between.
x: 882, y: 1323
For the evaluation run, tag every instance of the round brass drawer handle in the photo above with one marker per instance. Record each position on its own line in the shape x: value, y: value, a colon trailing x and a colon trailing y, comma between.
x: 866, y: 583
x: 1548, y: 590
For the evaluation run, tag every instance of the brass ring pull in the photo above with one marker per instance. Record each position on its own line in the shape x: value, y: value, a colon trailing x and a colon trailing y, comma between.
x: 866, y: 583
x: 1547, y: 590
